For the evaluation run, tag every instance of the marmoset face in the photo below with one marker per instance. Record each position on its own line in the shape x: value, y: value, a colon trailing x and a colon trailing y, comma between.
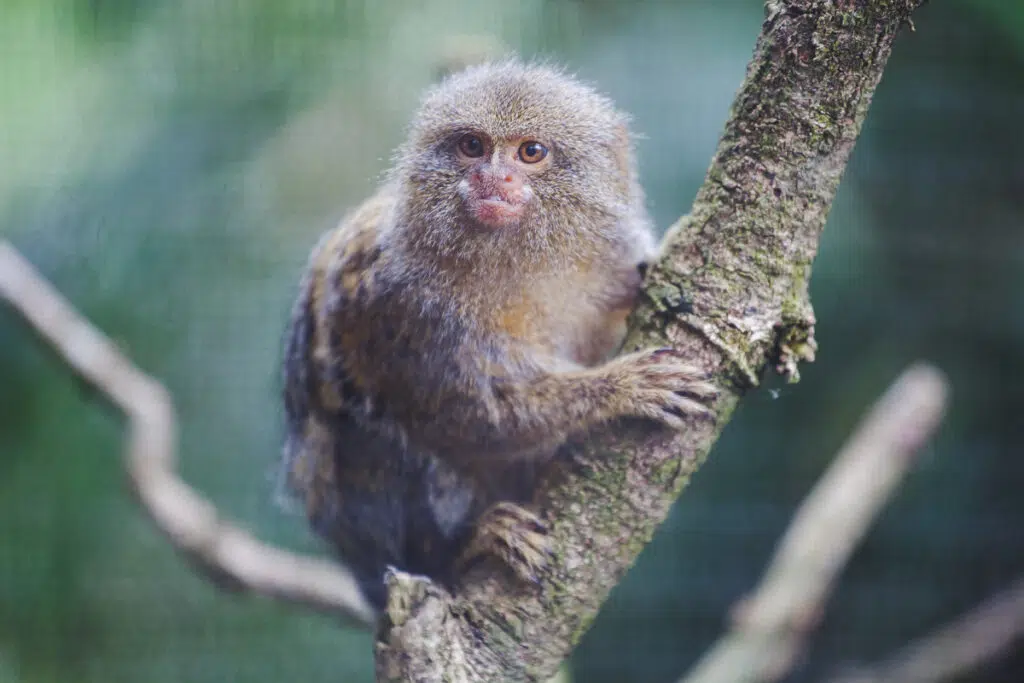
x: 507, y: 149
x: 497, y: 175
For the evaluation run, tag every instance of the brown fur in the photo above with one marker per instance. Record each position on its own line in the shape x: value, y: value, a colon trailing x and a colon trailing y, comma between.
x: 433, y: 362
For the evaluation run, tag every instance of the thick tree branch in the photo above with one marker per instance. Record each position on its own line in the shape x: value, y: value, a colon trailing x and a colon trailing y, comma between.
x: 770, y: 626
x: 227, y: 553
x: 731, y: 293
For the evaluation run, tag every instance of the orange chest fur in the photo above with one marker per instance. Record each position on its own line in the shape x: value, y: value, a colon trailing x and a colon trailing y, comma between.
x: 577, y: 317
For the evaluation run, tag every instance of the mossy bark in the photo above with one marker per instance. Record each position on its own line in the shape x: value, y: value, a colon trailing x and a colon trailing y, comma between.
x: 731, y: 293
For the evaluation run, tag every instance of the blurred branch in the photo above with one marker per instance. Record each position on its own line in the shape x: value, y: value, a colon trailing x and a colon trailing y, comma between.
x: 730, y: 293
x: 981, y: 635
x: 226, y: 552
x: 770, y: 627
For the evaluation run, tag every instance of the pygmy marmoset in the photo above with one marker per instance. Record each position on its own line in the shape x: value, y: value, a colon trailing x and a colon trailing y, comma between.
x: 459, y: 326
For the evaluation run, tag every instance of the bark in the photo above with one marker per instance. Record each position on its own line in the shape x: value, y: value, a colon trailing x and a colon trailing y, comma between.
x: 731, y: 293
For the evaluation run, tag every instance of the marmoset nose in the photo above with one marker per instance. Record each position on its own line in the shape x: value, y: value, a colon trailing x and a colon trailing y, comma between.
x: 499, y: 181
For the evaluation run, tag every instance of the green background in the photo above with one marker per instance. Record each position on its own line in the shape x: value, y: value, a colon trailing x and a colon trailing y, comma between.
x: 169, y: 164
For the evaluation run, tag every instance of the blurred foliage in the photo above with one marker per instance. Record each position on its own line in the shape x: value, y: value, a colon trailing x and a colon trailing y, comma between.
x: 169, y: 165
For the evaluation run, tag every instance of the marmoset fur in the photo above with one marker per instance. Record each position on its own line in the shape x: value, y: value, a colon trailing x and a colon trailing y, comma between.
x: 454, y: 330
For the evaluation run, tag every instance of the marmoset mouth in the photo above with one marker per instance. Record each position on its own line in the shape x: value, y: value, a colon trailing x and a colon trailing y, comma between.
x: 496, y: 211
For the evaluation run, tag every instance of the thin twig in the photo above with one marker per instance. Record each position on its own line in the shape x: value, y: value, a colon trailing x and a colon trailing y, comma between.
x: 222, y: 549
x: 982, y: 635
x: 771, y: 625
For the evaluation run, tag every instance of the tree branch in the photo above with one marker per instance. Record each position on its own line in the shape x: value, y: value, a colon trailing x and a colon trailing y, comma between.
x: 731, y: 293
x: 771, y: 626
x: 225, y: 552
x: 979, y: 636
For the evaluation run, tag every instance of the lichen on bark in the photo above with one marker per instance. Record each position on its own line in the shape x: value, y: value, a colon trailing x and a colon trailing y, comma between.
x: 731, y: 292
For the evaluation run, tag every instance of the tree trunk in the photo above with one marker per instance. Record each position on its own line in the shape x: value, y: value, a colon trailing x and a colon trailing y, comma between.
x: 731, y: 293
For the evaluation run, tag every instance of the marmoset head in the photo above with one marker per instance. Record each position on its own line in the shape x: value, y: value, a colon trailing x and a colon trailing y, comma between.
x: 511, y: 147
